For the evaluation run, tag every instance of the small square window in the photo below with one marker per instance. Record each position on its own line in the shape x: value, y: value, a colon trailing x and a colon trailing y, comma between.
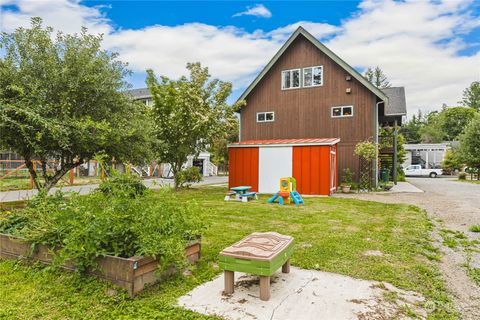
x: 260, y: 117
x: 347, y: 111
x: 337, y: 112
x: 269, y: 116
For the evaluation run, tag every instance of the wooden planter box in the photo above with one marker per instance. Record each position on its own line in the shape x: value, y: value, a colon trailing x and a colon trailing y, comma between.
x: 132, y: 274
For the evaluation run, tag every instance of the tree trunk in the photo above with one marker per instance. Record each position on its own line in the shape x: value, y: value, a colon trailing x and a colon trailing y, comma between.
x: 176, y: 168
x: 50, y: 182
x: 33, y: 173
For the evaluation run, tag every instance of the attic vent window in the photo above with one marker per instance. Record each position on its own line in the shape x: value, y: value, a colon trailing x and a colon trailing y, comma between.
x: 291, y: 79
x: 313, y: 76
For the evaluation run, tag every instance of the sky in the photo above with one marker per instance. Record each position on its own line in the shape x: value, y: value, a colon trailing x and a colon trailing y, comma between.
x: 432, y: 48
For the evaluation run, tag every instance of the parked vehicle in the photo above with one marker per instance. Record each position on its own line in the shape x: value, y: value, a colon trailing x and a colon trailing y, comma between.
x: 416, y: 170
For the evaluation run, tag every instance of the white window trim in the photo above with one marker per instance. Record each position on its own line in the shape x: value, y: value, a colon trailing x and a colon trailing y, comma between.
x: 312, y: 85
x: 299, y: 78
x: 341, y: 108
x: 265, y: 113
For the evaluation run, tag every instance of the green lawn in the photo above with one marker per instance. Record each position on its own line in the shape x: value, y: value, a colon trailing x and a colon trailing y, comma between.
x: 23, y: 183
x: 331, y: 235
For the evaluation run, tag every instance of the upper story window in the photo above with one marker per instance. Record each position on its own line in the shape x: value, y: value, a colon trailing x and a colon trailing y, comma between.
x: 342, y: 111
x: 291, y: 79
x: 265, y: 116
x: 313, y: 76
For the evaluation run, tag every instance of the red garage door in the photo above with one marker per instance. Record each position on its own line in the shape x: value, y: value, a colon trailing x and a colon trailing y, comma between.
x: 243, y: 167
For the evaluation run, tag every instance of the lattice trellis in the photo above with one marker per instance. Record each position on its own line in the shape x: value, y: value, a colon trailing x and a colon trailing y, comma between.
x: 365, y: 183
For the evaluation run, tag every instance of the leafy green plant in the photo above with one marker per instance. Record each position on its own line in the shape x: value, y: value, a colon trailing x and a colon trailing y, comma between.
x: 474, y: 228
x: 124, y: 183
x: 462, y: 176
x: 366, y: 149
x: 186, y: 177
x: 114, y: 223
x: 347, y: 177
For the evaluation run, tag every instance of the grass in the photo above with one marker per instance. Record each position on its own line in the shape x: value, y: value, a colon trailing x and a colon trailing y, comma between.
x: 331, y: 234
x: 23, y: 183
x: 474, y: 228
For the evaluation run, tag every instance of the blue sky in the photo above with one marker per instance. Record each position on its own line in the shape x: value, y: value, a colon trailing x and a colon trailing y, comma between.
x: 432, y: 48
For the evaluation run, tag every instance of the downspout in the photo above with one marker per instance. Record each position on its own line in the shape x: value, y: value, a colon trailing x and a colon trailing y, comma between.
x: 376, y: 141
x: 239, y: 125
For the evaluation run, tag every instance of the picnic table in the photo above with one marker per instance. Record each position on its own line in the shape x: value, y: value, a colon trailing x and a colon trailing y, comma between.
x: 241, y: 193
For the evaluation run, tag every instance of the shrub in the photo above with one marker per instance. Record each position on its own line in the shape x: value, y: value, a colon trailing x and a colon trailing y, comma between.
x: 114, y: 223
x: 347, y: 177
x: 366, y: 149
x: 474, y: 228
x: 462, y: 176
x: 123, y: 183
x: 186, y: 177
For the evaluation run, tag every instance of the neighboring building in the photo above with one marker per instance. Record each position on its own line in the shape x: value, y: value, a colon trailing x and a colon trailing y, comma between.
x: 202, y: 161
x: 428, y: 155
x: 307, y: 91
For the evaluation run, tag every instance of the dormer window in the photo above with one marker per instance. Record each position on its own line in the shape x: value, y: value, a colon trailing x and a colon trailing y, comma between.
x: 291, y: 79
x: 313, y: 76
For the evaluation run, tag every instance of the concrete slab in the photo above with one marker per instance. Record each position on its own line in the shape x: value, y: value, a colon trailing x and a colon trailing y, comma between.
x: 403, y: 186
x: 301, y: 294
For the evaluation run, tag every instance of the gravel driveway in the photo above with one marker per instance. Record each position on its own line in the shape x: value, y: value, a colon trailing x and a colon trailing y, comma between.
x: 451, y: 205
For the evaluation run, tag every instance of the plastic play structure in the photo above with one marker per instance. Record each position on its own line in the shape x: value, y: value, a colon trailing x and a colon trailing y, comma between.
x: 288, y: 192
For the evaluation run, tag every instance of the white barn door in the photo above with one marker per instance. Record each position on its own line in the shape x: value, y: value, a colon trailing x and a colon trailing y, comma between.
x: 274, y: 163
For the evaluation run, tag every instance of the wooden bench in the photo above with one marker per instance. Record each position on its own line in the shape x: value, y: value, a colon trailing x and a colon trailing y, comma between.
x: 260, y: 254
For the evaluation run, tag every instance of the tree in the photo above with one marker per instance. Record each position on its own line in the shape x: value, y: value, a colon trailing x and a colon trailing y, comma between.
x: 61, y: 101
x: 445, y: 125
x: 430, y: 132
x: 219, y: 147
x: 470, y: 144
x: 452, y: 161
x: 188, y: 114
x: 411, y: 129
x: 471, y: 96
x: 453, y: 120
x: 377, y: 77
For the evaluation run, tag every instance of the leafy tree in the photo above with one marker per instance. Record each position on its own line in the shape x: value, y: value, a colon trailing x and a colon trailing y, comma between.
x: 219, y: 149
x: 453, y: 120
x: 411, y: 129
x: 188, y: 114
x: 452, y: 161
x: 470, y: 143
x: 430, y: 132
x: 61, y: 100
x: 377, y: 77
x: 445, y: 125
x: 471, y: 96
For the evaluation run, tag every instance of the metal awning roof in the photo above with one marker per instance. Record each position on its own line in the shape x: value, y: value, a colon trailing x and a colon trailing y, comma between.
x: 285, y: 142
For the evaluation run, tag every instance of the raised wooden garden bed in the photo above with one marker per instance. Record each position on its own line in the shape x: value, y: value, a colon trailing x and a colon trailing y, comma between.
x: 133, y: 273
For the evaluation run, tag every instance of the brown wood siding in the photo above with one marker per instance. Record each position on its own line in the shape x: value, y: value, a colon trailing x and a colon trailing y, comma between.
x: 306, y: 112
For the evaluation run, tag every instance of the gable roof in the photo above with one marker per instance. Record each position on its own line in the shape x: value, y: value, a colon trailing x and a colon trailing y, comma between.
x: 396, y: 105
x: 326, y: 51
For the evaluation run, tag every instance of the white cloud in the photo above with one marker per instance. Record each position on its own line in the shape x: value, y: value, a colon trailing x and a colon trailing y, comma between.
x: 66, y: 15
x: 258, y: 10
x: 416, y: 43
